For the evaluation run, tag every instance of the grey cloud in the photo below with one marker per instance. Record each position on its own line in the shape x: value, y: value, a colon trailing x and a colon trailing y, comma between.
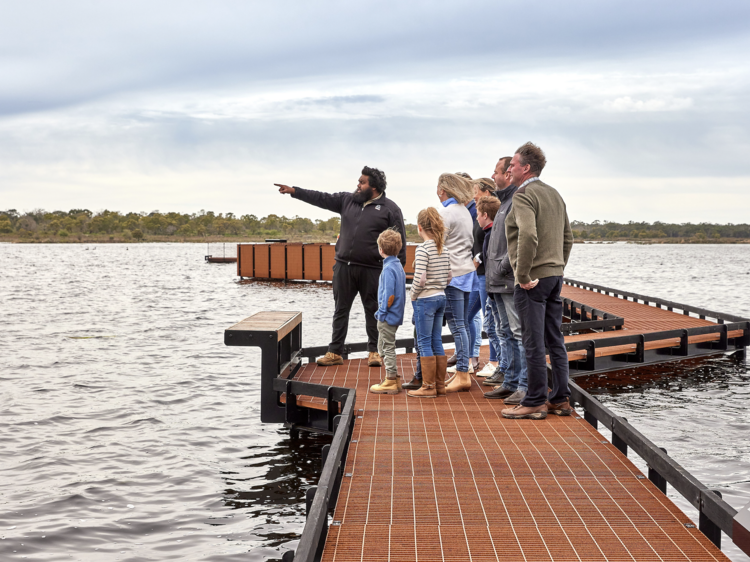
x: 127, y: 103
x: 342, y: 100
x: 62, y: 54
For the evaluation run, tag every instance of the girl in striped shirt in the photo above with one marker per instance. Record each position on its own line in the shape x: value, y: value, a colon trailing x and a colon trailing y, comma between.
x: 432, y: 273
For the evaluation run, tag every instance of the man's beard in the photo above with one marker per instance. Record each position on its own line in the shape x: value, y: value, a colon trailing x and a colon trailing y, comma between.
x: 362, y: 196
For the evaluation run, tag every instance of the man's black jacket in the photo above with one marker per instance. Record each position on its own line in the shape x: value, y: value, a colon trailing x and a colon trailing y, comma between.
x: 361, y: 224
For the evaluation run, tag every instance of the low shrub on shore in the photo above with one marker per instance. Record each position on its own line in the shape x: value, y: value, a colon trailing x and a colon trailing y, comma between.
x: 81, y: 225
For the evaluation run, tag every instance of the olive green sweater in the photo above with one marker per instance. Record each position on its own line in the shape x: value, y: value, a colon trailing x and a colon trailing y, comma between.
x: 539, y: 234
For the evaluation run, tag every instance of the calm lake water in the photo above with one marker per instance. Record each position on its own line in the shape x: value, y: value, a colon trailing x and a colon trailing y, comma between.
x: 130, y: 432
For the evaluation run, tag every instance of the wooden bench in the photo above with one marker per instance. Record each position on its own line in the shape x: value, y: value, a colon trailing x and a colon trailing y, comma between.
x: 279, y: 336
x: 262, y: 324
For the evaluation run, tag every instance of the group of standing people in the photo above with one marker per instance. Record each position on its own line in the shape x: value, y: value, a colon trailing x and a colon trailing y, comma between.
x: 496, y: 245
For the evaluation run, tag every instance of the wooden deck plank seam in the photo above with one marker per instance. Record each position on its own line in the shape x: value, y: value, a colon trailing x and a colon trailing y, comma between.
x: 623, y: 511
x: 383, y: 405
x: 612, y: 511
x: 495, y: 480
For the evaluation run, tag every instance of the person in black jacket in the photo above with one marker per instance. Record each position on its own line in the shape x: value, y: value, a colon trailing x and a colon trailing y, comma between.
x: 365, y: 213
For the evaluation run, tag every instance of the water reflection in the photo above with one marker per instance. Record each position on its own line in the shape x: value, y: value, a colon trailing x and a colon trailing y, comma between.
x: 697, y: 410
x: 275, y: 496
x: 290, y: 467
x: 148, y: 445
x: 717, y: 372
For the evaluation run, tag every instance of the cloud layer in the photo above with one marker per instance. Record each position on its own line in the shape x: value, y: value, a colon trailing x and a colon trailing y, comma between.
x: 641, y: 108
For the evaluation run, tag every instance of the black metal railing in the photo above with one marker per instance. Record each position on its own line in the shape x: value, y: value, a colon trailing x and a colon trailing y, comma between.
x: 640, y: 355
x: 321, y: 498
x: 686, y: 309
x: 585, y: 317
x: 715, y: 515
x: 281, y: 361
x: 280, y: 345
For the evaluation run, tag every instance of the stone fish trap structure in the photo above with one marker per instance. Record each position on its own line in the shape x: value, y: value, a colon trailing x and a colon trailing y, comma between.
x: 451, y: 479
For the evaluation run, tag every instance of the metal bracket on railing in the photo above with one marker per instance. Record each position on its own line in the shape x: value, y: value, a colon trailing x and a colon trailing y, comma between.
x: 318, y: 503
x: 658, y: 480
x: 741, y: 529
x: 618, y: 441
x: 706, y: 526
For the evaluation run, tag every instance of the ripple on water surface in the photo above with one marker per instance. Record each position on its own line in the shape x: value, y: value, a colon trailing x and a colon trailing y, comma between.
x: 130, y: 432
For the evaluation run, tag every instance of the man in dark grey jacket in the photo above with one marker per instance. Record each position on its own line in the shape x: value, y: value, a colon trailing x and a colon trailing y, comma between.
x: 365, y: 213
x: 500, y: 283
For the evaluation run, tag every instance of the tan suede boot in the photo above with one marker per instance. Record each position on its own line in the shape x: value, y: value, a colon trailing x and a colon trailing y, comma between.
x: 461, y: 383
x: 330, y: 359
x: 441, y: 366
x: 388, y: 386
x: 374, y: 359
x: 428, y: 380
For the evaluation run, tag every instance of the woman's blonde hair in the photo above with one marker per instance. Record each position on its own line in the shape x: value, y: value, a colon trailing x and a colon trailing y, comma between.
x: 485, y: 185
x: 431, y: 222
x: 457, y: 187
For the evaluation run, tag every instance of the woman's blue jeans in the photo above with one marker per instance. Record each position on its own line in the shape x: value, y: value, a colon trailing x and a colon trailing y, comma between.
x: 456, y: 307
x: 428, y: 319
x: 474, y: 321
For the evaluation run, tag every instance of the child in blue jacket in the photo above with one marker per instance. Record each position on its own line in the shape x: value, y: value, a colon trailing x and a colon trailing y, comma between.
x: 390, y: 314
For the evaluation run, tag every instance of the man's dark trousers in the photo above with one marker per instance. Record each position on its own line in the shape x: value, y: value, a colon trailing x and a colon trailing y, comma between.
x: 348, y: 281
x: 540, y: 311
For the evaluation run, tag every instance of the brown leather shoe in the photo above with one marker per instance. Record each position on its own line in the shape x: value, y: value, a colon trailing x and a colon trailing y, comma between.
x: 452, y: 360
x: 524, y: 412
x: 560, y: 409
x: 330, y: 359
x: 413, y: 384
x: 373, y: 360
x: 500, y: 393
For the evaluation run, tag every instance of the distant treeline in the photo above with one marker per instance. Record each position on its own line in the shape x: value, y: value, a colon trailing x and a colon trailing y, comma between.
x: 600, y: 230
x: 77, y: 223
x: 80, y: 223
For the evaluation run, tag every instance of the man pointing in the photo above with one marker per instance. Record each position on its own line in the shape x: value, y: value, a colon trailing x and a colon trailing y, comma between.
x: 365, y: 213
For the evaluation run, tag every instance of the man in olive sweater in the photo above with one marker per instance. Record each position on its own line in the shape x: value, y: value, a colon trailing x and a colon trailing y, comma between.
x: 539, y: 244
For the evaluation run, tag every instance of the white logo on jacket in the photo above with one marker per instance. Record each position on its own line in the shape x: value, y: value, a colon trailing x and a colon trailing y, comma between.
x: 377, y: 207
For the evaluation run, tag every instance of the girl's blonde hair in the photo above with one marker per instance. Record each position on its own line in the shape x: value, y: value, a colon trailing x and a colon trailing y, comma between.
x: 485, y: 185
x: 457, y: 187
x: 431, y: 222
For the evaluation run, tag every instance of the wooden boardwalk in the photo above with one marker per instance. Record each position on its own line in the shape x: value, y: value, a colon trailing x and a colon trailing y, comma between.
x: 639, y: 319
x: 451, y: 479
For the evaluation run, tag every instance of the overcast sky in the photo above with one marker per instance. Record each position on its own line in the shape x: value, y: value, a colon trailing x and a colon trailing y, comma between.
x: 641, y: 107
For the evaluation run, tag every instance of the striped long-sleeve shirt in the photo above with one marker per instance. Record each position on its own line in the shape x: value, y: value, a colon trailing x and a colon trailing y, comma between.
x: 432, y: 271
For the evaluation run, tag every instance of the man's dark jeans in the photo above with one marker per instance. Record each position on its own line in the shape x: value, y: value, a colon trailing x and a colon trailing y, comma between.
x: 348, y: 281
x: 540, y: 311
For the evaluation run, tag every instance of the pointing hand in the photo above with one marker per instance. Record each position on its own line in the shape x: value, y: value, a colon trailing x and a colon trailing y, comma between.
x: 285, y: 188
